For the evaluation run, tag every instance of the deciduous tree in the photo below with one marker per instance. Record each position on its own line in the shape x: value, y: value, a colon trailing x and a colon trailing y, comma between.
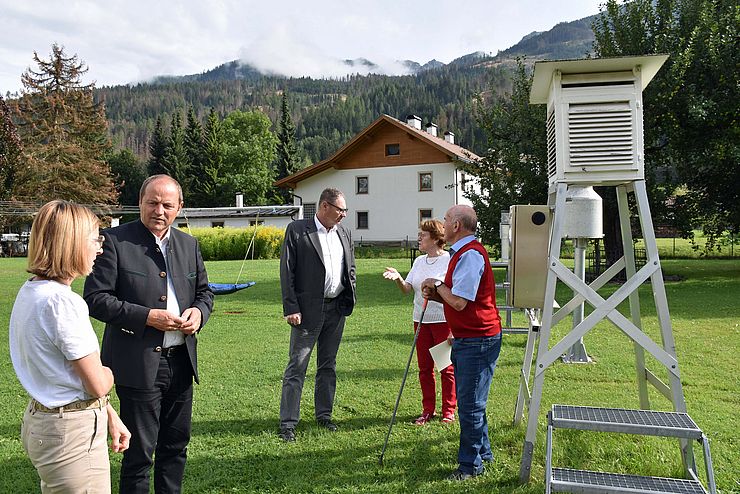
x: 129, y: 173
x: 692, y: 136
x: 248, y: 156
x: 513, y: 170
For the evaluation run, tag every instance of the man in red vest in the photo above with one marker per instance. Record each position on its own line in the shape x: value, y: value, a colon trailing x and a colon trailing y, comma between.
x: 469, y: 299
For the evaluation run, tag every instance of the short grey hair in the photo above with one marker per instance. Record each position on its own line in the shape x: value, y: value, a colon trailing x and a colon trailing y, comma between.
x: 330, y: 195
x: 466, y: 216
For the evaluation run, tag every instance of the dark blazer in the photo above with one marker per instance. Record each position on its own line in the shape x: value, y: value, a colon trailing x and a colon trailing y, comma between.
x: 128, y: 279
x: 302, y: 273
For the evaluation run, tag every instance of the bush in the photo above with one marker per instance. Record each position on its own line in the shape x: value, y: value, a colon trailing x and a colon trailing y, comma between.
x: 225, y: 244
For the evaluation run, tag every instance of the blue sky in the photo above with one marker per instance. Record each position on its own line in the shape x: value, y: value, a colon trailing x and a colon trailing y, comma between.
x: 133, y: 40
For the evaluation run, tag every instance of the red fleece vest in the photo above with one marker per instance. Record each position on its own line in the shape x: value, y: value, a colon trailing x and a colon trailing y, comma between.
x: 480, y: 317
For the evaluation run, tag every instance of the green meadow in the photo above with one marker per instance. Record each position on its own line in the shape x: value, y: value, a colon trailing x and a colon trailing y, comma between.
x: 243, y: 351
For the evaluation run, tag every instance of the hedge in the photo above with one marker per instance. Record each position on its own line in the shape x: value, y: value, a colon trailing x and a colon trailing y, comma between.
x: 224, y: 244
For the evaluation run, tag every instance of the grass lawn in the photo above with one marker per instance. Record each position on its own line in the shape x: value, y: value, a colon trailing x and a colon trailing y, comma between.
x: 243, y: 350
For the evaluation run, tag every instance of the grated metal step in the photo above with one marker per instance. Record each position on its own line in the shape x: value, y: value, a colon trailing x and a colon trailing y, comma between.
x: 582, y: 481
x: 645, y: 422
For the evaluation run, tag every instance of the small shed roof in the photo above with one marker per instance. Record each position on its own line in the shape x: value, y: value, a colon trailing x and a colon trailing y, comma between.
x: 246, y: 212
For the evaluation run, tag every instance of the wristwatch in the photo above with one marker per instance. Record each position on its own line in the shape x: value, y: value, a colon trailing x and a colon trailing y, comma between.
x: 438, y: 283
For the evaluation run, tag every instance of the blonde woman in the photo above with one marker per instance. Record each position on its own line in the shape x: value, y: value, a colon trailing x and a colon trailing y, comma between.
x: 432, y: 264
x: 55, y: 355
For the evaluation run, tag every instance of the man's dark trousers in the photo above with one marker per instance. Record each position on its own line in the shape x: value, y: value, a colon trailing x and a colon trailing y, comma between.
x: 163, y: 412
x: 326, y: 337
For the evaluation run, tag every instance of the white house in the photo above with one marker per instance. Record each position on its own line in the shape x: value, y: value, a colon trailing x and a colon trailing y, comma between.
x: 393, y: 175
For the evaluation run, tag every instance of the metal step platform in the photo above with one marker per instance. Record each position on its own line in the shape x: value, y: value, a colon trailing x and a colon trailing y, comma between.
x: 644, y: 422
x: 641, y: 422
x: 582, y: 481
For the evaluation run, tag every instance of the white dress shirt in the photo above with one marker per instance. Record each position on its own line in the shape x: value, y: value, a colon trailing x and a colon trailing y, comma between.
x: 171, y: 338
x: 333, y: 253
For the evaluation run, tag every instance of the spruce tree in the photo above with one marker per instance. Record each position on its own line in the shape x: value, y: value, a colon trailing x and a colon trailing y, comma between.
x: 157, y: 150
x: 194, y: 148
x: 207, y: 189
x: 287, y: 161
x: 176, y: 160
x: 64, y: 133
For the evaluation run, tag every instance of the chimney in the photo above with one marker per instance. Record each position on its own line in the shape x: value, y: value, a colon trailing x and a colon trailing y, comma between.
x: 432, y: 129
x: 450, y: 137
x: 239, y: 200
x: 414, y: 121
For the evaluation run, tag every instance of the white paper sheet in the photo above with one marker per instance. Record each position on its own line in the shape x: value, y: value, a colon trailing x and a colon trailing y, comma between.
x: 441, y: 354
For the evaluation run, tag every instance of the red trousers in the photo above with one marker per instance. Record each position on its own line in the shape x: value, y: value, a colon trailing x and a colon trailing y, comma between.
x: 432, y: 334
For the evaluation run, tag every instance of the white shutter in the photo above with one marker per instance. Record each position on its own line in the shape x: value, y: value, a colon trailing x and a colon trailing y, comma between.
x: 600, y: 135
x: 551, y: 147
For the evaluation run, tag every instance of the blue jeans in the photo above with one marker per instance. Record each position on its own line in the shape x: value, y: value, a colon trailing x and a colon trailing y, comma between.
x: 474, y: 360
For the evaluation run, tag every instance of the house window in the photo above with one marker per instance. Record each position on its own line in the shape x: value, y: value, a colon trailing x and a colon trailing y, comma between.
x: 392, y: 149
x: 217, y: 224
x: 256, y: 222
x: 425, y: 214
x: 309, y: 210
x: 425, y: 181
x: 362, y: 183
x: 362, y: 221
x: 182, y: 225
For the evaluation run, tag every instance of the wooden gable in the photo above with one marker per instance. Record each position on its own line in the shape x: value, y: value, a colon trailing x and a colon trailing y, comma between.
x: 370, y: 151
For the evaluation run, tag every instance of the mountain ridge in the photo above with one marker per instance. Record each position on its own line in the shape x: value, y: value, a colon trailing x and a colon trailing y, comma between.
x: 572, y: 39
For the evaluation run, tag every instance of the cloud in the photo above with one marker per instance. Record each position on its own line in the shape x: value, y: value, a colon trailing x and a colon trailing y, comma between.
x: 134, y: 40
x: 284, y: 50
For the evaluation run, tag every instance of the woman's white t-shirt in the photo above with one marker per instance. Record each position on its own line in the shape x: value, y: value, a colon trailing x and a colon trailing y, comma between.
x: 49, y: 327
x: 428, y: 267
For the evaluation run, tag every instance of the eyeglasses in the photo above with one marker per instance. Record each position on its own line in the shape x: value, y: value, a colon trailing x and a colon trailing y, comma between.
x: 340, y: 210
x: 99, y: 241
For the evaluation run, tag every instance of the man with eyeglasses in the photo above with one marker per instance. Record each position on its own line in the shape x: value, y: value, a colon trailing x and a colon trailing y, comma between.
x: 317, y: 276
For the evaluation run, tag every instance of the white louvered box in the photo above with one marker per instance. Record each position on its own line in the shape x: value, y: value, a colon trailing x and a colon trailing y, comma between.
x: 594, y: 117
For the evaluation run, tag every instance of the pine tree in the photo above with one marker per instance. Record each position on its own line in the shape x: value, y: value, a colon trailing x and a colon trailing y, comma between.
x: 157, y: 150
x: 288, y: 161
x: 64, y: 133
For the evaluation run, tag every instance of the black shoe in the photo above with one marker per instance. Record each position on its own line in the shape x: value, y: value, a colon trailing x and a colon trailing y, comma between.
x: 287, y: 434
x: 458, y: 475
x: 327, y: 424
